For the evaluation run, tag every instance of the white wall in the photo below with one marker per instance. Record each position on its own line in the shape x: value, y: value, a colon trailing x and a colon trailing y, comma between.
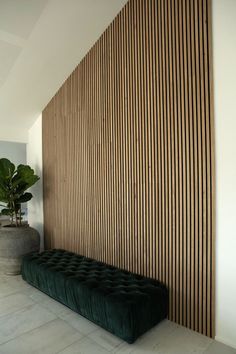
x: 224, y: 68
x: 62, y: 35
x: 34, y: 159
x: 16, y: 152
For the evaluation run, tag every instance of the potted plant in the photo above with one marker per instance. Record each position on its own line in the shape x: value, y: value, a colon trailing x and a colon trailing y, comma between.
x: 17, y: 238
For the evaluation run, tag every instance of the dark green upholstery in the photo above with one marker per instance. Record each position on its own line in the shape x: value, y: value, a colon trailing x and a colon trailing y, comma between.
x: 123, y: 303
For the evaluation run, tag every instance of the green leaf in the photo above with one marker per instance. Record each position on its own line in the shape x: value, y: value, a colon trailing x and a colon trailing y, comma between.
x: 6, y: 212
x: 3, y: 196
x: 24, y: 198
x: 4, y: 185
x: 24, y: 178
x: 7, y: 169
x: 20, y: 189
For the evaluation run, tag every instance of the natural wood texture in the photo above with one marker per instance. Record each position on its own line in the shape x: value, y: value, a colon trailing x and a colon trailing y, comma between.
x: 128, y: 153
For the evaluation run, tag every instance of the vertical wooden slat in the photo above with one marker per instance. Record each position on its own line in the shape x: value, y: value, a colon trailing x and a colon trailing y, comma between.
x: 174, y: 170
x: 128, y: 153
x: 190, y: 194
x: 210, y: 306
x: 155, y: 211
x: 179, y: 272
x: 171, y: 165
x: 211, y: 176
x: 138, y: 140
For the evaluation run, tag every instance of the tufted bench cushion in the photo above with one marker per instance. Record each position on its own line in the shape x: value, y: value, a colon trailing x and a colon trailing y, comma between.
x: 123, y: 303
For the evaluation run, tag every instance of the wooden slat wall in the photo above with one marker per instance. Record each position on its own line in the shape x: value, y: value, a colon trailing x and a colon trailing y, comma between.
x: 128, y: 153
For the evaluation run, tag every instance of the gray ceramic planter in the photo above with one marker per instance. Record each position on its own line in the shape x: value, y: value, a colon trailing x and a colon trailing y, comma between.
x: 15, y: 242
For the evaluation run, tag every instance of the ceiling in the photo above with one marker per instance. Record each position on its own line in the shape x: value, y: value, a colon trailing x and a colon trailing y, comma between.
x: 41, y: 42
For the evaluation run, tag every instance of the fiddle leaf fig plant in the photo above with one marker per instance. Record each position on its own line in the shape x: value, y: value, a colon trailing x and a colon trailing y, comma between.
x: 14, y: 182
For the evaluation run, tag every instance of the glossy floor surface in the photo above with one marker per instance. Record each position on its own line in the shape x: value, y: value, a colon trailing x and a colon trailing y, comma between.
x: 31, y: 322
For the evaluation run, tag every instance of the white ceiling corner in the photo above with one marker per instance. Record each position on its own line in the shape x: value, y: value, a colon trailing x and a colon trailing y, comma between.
x: 41, y: 42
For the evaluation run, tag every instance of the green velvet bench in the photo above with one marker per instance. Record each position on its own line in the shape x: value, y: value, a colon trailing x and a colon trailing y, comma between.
x: 123, y: 303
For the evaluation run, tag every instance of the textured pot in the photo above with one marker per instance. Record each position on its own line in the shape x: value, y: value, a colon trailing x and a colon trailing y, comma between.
x: 15, y: 242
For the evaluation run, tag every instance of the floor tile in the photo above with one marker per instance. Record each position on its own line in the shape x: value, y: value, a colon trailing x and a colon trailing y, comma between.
x: 182, y: 341
x: 50, y: 304
x: 105, y: 339
x: 18, y: 283
x: 219, y: 348
x: 56, y: 307
x: 84, y: 346
x: 13, y: 303
x: 37, y: 295
x: 16, y: 280
x: 80, y: 323
x: 23, y: 321
x: 6, y: 289
x: 148, y: 341
x: 47, y: 339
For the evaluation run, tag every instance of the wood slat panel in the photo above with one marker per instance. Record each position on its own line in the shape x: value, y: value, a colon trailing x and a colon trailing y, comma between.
x: 128, y: 154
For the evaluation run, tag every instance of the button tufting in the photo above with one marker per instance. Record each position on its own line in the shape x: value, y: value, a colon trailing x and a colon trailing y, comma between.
x: 107, y: 279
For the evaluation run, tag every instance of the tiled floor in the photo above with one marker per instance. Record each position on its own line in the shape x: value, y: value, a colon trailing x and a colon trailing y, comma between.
x: 31, y: 322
